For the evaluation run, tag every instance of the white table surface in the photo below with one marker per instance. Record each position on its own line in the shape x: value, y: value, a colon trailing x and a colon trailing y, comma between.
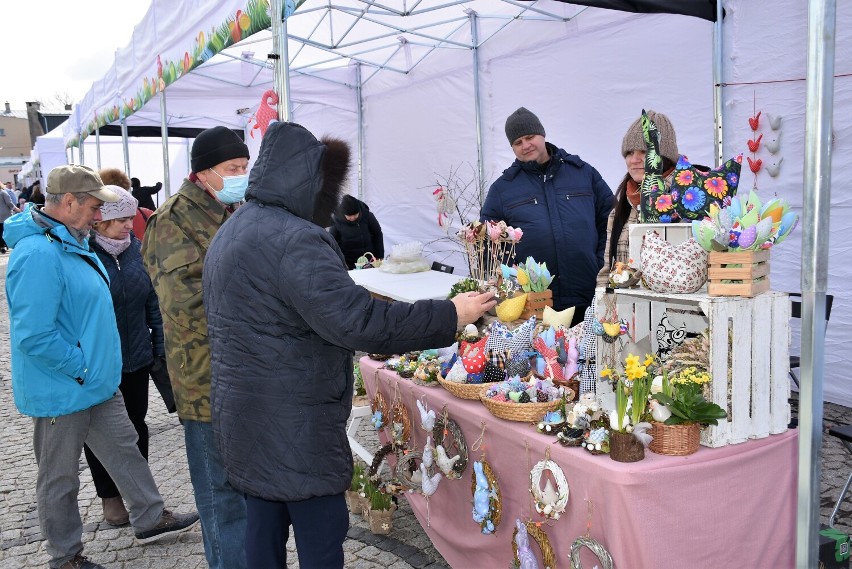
x: 407, y: 287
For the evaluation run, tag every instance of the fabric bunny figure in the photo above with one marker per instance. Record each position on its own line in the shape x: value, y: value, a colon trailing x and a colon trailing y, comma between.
x: 525, y: 554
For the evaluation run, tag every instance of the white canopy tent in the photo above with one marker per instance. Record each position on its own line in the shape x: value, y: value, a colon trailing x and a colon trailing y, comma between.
x: 586, y: 72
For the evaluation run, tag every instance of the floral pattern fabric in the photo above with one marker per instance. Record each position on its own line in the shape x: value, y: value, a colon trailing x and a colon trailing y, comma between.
x: 693, y: 190
x: 670, y: 268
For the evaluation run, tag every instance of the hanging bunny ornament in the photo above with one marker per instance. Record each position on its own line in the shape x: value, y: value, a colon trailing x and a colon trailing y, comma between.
x: 522, y: 540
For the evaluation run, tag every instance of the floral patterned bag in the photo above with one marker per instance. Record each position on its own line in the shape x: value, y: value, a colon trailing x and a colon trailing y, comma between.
x: 693, y: 190
x: 669, y: 268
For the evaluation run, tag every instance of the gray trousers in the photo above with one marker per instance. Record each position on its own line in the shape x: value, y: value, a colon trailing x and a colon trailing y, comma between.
x: 58, y: 444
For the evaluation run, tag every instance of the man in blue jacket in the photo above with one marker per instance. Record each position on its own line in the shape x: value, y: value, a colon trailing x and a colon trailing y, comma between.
x: 561, y: 203
x: 66, y: 365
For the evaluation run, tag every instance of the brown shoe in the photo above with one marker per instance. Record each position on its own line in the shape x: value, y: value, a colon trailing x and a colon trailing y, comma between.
x: 169, y: 524
x: 80, y: 562
x: 115, y: 514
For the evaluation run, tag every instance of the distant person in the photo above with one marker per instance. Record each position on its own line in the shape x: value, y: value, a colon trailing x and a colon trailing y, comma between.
x: 562, y: 205
x: 285, y: 320
x: 117, y: 177
x: 140, y: 327
x: 175, y: 245
x: 66, y: 366
x: 28, y: 191
x: 356, y: 230
x: 144, y: 194
x: 36, y: 196
x: 7, y: 208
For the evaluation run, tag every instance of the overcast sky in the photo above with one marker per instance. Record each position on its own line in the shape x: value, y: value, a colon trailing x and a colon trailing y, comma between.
x: 51, y: 46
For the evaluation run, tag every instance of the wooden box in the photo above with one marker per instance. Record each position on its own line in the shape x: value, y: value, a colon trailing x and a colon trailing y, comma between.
x: 738, y: 273
x: 675, y: 233
x: 749, y: 354
x: 536, y: 301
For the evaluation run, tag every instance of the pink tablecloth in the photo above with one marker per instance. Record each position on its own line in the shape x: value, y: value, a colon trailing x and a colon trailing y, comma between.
x: 727, y: 507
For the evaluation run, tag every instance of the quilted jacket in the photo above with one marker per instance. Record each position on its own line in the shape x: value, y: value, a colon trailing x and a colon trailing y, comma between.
x: 284, y: 320
x: 563, y: 212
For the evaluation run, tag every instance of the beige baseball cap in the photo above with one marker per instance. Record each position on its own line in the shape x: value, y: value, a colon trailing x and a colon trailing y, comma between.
x: 74, y: 179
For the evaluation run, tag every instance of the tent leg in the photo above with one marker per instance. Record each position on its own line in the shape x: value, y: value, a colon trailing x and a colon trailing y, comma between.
x: 125, y: 147
x: 281, y: 63
x: 819, y: 108
x: 718, y: 132
x: 477, y: 101
x: 98, y: 147
x: 164, y: 137
x: 360, y: 107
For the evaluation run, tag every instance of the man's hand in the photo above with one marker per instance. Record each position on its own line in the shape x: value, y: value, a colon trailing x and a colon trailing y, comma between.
x: 470, y: 306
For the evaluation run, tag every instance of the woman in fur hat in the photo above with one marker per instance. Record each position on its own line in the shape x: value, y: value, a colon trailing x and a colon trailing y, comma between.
x: 626, y: 209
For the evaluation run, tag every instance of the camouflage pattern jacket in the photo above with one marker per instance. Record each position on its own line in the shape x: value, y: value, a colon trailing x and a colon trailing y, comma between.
x: 176, y: 241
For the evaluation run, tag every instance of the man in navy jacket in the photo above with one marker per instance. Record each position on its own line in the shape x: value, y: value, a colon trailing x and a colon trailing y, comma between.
x: 561, y: 203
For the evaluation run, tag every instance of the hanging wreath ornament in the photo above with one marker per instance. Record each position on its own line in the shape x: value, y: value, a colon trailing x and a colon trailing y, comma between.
x: 594, y: 545
x: 379, y: 407
x: 523, y: 555
x: 487, y: 501
x: 445, y: 428
x: 550, y: 502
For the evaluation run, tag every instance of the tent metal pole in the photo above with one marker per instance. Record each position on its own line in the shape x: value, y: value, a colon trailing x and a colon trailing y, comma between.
x: 718, y: 131
x: 480, y: 161
x: 819, y: 108
x: 98, y: 146
x: 360, y: 131
x: 281, y: 67
x: 82, y: 154
x: 71, y: 152
x: 164, y: 134
x: 124, y: 146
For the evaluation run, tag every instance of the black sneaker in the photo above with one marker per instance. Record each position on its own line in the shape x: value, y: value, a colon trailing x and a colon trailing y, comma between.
x: 80, y: 562
x: 169, y: 524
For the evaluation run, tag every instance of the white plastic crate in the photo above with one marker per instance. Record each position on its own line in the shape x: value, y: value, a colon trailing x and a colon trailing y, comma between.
x: 759, y: 330
x: 674, y: 233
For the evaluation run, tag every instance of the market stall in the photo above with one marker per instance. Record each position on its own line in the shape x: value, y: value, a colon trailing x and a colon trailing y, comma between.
x: 726, y: 507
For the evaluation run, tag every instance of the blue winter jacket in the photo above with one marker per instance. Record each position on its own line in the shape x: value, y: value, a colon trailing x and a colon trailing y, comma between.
x: 137, y: 312
x: 563, y: 215
x: 66, y: 353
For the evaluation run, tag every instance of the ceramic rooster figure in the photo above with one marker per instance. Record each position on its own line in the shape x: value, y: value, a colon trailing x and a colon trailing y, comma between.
x: 653, y: 185
x: 266, y: 112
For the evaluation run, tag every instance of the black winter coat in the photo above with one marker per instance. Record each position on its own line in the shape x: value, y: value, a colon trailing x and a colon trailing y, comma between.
x: 284, y: 319
x: 358, y: 237
x: 137, y: 311
x: 563, y: 214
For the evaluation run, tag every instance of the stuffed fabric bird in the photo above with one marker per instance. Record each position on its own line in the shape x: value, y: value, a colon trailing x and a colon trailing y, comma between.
x: 445, y: 463
x: 427, y: 418
x: 653, y: 185
x: 429, y: 483
x: 266, y: 112
x: 428, y: 457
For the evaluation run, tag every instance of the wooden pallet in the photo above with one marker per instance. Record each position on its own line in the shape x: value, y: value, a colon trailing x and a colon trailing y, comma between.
x: 738, y: 273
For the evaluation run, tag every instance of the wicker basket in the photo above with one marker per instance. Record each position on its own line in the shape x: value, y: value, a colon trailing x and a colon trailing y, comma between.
x: 526, y: 412
x: 675, y: 440
x: 463, y: 390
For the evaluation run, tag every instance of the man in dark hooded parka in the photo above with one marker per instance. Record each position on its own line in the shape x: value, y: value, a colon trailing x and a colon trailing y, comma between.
x: 284, y: 320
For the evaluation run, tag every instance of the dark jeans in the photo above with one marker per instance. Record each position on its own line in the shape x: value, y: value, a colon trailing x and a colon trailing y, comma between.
x: 319, y: 524
x: 134, y: 389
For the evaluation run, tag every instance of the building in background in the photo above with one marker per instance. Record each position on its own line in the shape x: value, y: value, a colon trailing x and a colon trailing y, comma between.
x: 18, y: 133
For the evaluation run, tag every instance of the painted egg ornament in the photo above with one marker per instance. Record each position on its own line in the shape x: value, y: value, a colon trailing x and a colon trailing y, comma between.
x: 764, y: 230
x: 747, y: 237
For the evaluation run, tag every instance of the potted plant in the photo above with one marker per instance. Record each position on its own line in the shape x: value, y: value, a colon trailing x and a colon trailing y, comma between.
x: 381, y: 512
x: 365, y: 497
x: 628, y: 435
x: 680, y: 412
x: 353, y: 495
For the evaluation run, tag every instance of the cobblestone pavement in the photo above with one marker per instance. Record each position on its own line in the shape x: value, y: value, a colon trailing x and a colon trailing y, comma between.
x: 21, y: 543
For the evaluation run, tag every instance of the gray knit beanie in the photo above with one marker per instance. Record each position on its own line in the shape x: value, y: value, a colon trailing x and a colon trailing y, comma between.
x: 521, y: 123
x: 634, y: 140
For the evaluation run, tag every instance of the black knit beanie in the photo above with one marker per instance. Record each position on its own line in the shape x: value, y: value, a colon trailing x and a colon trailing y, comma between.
x: 216, y: 145
x: 349, y: 205
x: 521, y: 123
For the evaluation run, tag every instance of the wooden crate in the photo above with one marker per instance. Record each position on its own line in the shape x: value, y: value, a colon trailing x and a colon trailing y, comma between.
x: 675, y: 233
x: 737, y: 273
x: 536, y: 301
x: 754, y: 388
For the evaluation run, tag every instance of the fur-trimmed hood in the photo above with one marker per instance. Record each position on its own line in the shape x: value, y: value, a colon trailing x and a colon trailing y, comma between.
x: 300, y: 173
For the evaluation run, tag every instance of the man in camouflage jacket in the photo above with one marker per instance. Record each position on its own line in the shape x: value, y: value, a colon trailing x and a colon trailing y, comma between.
x: 176, y: 242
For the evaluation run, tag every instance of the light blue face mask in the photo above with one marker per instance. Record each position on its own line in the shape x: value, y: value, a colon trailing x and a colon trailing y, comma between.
x: 233, y: 189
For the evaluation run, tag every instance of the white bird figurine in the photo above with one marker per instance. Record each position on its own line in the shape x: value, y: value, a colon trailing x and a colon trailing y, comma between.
x: 659, y: 411
x: 775, y: 168
x: 549, y: 497
x: 774, y: 121
x: 640, y: 431
x: 773, y: 145
x: 429, y: 483
x: 428, y: 453
x: 427, y: 418
x: 445, y: 463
